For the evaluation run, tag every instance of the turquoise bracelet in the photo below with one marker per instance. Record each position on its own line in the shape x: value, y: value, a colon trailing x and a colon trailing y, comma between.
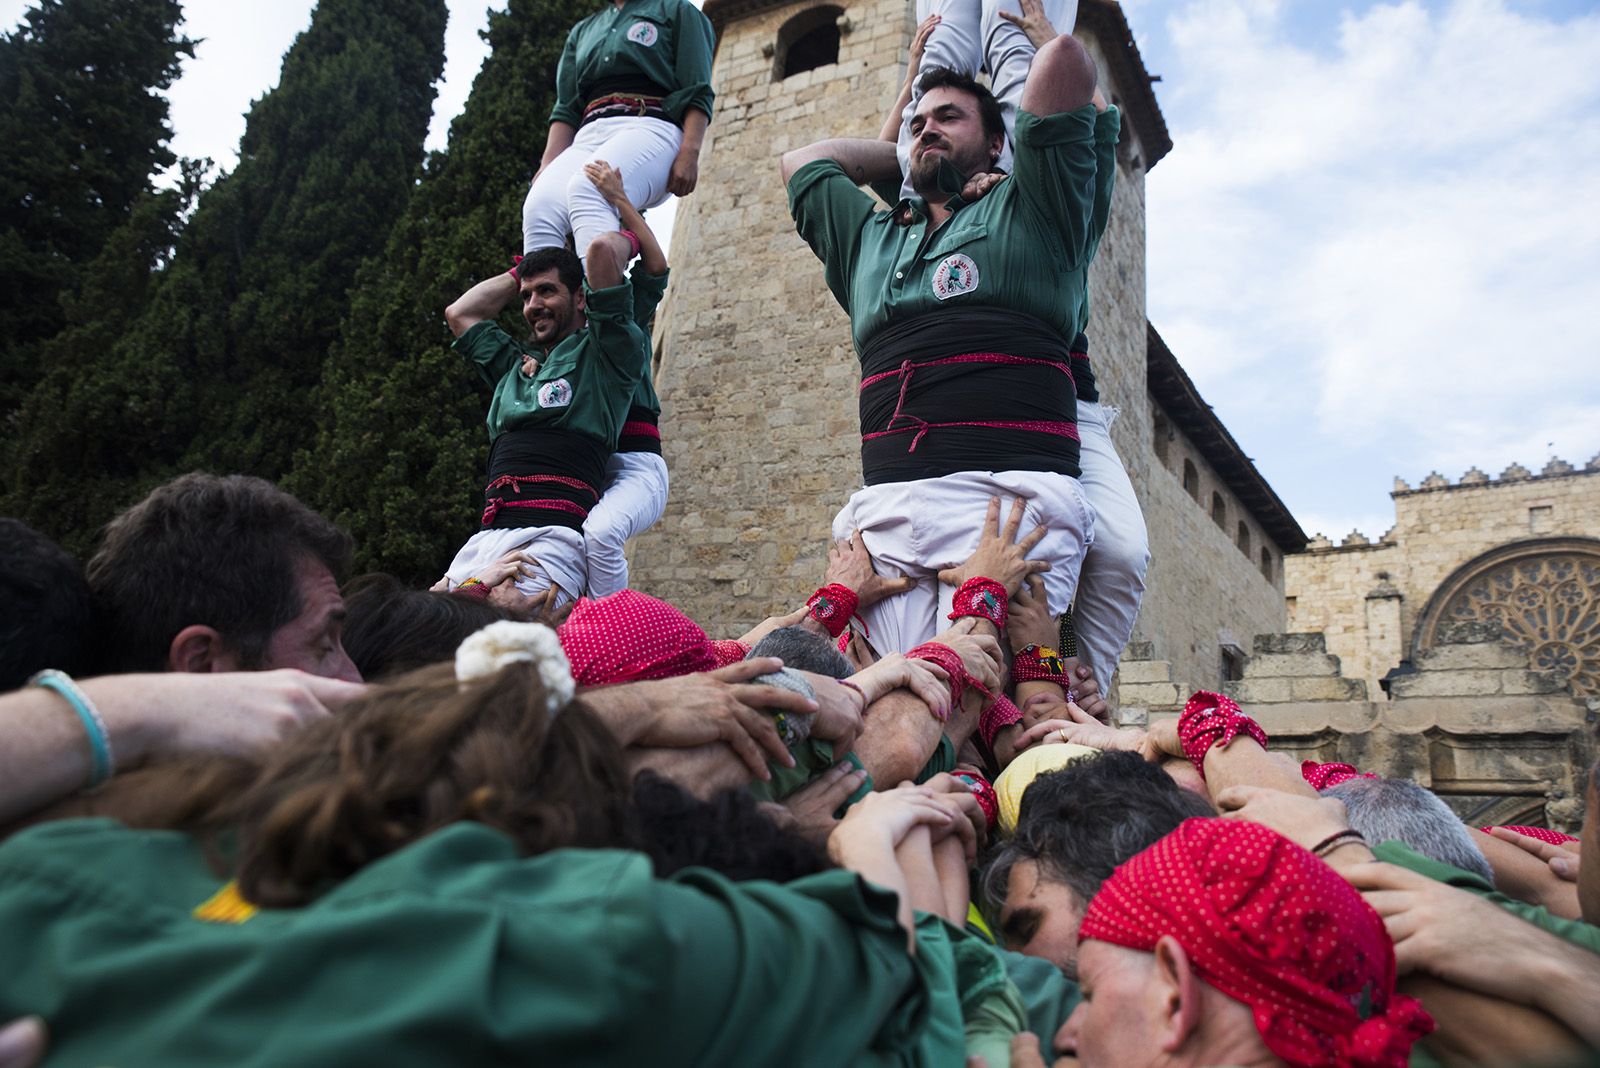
x: 102, y: 762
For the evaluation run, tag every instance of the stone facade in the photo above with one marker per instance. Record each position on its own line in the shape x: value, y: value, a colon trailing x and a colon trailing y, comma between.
x: 758, y: 379
x: 1500, y: 743
x: 1520, y: 550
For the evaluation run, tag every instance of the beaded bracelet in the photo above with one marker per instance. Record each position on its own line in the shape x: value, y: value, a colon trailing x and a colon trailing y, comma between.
x: 834, y: 605
x: 1039, y: 663
x: 980, y: 597
x: 1210, y: 719
x: 102, y: 761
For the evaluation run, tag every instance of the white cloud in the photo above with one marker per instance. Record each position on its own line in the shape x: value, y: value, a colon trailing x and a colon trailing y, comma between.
x: 1400, y: 219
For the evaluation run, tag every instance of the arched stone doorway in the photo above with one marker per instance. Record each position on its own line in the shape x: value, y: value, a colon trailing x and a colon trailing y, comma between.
x: 1545, y: 597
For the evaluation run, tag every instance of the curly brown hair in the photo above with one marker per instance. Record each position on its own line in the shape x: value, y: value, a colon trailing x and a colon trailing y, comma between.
x: 404, y: 760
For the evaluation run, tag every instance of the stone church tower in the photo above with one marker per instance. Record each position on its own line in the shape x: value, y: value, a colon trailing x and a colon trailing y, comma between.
x: 758, y: 379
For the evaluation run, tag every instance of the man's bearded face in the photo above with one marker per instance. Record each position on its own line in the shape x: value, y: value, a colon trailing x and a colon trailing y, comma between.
x: 947, y: 125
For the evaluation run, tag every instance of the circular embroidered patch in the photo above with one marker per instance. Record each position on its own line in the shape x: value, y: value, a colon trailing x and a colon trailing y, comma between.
x: 954, y: 276
x: 557, y: 394
x: 644, y: 33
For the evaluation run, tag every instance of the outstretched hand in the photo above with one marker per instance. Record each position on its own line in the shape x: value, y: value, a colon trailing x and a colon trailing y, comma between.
x: 849, y: 564
x: 1032, y: 22
x: 608, y: 180
x: 1000, y: 556
x: 919, y: 45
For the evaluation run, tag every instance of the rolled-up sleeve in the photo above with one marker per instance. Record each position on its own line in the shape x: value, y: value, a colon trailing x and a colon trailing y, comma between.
x: 1056, y: 169
x: 696, y: 41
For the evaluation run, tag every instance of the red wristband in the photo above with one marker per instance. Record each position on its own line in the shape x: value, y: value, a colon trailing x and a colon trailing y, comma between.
x: 1322, y: 776
x: 1211, y: 719
x: 472, y: 588
x: 950, y: 660
x: 833, y: 606
x: 981, y: 597
x: 516, y: 261
x: 983, y: 790
x: 633, y: 241
x: 1003, y: 713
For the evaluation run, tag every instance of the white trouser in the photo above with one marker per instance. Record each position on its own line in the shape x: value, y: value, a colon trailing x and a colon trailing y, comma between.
x: 562, y: 200
x: 920, y: 528
x: 971, y: 37
x: 558, y: 551
x: 1111, y: 584
x: 634, y: 498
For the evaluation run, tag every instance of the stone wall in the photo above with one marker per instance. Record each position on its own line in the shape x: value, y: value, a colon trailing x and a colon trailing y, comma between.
x: 1370, y: 598
x: 1500, y: 743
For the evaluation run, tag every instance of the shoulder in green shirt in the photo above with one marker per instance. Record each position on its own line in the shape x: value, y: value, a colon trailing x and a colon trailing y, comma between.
x: 455, y: 950
x: 1024, y: 246
x: 666, y: 43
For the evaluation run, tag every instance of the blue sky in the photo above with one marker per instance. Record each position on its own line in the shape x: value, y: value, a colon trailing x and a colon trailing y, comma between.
x: 1375, y: 245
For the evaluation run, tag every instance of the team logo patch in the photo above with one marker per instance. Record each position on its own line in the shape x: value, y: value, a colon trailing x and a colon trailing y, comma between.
x: 643, y: 33
x: 557, y: 394
x: 955, y: 275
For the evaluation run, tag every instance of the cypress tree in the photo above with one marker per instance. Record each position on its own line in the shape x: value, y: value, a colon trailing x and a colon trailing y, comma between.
x: 400, y: 455
x: 84, y: 125
x: 217, y: 370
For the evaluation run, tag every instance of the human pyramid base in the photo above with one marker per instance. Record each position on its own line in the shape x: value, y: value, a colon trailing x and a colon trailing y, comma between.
x: 256, y: 812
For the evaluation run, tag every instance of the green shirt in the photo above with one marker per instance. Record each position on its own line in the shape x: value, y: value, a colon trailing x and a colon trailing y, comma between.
x: 1575, y: 931
x: 455, y: 950
x: 584, y: 384
x: 667, y: 43
x: 1025, y: 246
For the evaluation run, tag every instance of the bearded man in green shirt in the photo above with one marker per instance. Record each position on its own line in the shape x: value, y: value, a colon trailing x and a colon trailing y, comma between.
x: 962, y: 312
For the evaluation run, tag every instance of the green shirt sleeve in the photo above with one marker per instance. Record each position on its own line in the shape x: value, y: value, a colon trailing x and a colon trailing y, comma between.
x: 1575, y: 931
x: 568, y: 108
x: 648, y: 289
x: 829, y: 211
x: 943, y: 759
x: 692, y: 65
x: 1055, y: 172
x: 812, y: 757
x: 1048, y: 995
x: 612, y: 331
x: 1107, y: 129
x: 490, y: 349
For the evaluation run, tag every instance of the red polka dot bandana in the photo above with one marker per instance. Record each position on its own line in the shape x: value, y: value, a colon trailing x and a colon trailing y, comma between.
x: 629, y: 636
x: 1322, y: 776
x: 1544, y: 834
x: 1270, y: 925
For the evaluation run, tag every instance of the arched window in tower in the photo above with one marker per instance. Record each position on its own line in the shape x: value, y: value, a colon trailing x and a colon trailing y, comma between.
x: 807, y: 41
x: 1191, y: 480
x: 1243, y: 538
x: 1266, y: 564
x: 1219, y: 511
x: 1161, y: 433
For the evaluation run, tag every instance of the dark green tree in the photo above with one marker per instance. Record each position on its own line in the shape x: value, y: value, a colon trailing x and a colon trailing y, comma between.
x: 84, y: 125
x: 218, y: 369
x: 400, y: 455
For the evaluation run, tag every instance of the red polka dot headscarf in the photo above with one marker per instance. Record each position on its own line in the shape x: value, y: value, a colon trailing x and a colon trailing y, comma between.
x: 629, y: 636
x: 1270, y: 925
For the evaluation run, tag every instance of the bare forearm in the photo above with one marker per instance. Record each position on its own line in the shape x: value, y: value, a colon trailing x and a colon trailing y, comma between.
x: 557, y: 141
x: 1564, y: 978
x: 864, y: 161
x: 914, y: 855
x: 483, y: 301
x: 895, y: 118
x: 950, y: 861
x: 899, y: 736
x: 651, y: 258
x: 695, y: 122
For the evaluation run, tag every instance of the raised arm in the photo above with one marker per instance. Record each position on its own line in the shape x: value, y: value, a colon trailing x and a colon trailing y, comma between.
x: 896, y: 115
x: 483, y: 301
x: 864, y: 161
x: 1062, y: 78
x: 608, y: 180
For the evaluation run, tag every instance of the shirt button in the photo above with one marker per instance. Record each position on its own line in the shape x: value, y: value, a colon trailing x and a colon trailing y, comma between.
x: 916, y: 237
x: 899, y: 274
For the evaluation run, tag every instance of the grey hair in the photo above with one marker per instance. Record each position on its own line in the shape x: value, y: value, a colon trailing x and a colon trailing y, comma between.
x: 1385, y: 810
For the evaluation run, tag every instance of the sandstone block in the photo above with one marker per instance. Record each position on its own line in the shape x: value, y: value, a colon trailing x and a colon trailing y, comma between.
x: 1150, y: 694
x: 1259, y: 691
x: 1282, y: 665
x: 1446, y: 684
x: 1490, y: 654
x: 1328, y: 689
x: 1289, y: 643
x: 1135, y: 672
x: 1523, y: 681
x: 1139, y: 651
